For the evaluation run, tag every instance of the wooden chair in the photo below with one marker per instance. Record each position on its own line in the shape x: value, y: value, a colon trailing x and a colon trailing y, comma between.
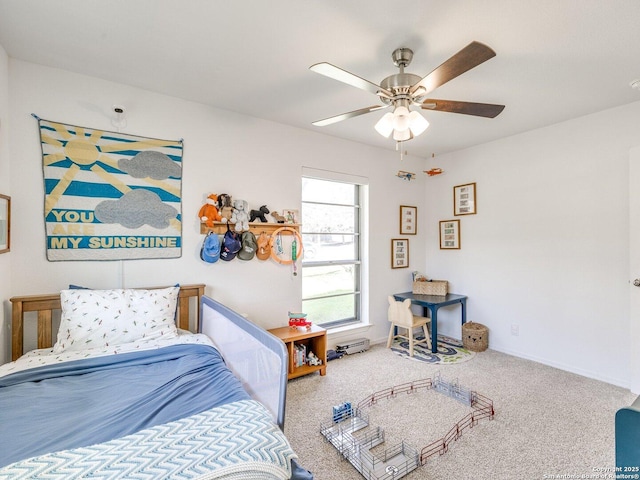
x: 400, y: 315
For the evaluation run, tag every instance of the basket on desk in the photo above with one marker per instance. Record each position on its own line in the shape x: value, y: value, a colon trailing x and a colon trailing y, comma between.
x: 432, y: 287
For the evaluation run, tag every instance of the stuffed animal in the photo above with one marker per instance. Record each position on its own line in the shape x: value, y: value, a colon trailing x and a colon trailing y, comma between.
x: 240, y: 215
x: 312, y: 359
x: 209, y: 211
x: 225, y: 207
x: 278, y: 218
x: 259, y: 214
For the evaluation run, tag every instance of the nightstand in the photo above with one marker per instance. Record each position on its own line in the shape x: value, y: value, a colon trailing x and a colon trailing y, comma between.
x: 313, y: 339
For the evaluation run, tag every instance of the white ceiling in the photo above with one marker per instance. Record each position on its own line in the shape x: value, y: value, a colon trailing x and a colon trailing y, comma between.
x: 556, y: 59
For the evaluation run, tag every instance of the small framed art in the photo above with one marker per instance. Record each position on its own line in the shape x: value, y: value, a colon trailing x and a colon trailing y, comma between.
x: 464, y: 199
x: 291, y: 215
x: 400, y: 253
x: 5, y: 223
x: 408, y: 220
x: 449, y: 234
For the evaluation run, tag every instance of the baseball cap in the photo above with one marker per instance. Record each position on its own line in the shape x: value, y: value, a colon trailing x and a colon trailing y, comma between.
x: 210, y: 251
x: 230, y: 245
x: 249, y: 246
x: 263, y: 252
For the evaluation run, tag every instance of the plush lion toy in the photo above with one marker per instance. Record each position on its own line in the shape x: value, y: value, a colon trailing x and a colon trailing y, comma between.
x: 209, y: 211
x: 225, y: 207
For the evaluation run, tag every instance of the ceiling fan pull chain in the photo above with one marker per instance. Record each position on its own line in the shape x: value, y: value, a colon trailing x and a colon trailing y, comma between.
x: 403, y: 152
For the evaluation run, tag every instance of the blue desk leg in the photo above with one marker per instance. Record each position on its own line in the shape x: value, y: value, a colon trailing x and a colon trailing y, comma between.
x: 463, y: 302
x: 434, y: 329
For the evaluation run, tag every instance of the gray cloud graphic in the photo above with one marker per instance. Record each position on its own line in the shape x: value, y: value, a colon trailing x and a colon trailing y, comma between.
x: 150, y: 164
x: 135, y: 209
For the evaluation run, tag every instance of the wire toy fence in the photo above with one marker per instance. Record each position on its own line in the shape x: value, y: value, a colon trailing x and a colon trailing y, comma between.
x: 345, y: 430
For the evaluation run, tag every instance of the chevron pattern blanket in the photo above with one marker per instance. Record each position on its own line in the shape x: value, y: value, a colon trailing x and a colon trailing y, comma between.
x: 236, y: 441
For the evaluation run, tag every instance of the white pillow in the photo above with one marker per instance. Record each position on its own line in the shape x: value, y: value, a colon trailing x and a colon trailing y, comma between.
x: 103, y: 318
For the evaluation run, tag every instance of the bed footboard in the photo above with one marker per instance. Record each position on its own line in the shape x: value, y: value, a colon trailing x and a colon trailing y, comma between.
x: 256, y: 357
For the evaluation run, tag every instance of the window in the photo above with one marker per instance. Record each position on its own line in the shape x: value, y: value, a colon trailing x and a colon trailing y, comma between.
x: 331, y: 267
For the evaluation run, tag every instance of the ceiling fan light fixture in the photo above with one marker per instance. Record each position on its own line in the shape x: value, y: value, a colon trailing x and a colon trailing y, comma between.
x: 404, y: 90
x: 403, y: 123
x: 402, y: 135
x: 384, y: 126
x: 401, y: 119
x: 417, y: 123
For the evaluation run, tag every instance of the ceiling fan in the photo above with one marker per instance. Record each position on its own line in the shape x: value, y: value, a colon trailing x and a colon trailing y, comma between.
x: 403, y: 90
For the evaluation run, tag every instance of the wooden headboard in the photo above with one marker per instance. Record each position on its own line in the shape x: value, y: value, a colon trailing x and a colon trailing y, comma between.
x: 44, y: 305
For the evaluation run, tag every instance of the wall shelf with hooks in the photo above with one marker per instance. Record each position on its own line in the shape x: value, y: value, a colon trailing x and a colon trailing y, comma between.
x: 255, y: 227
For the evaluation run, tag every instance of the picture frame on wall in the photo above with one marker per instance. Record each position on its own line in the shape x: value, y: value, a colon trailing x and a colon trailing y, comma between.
x: 408, y: 220
x: 464, y: 199
x: 5, y: 223
x: 291, y: 215
x: 400, y: 253
x: 449, y: 234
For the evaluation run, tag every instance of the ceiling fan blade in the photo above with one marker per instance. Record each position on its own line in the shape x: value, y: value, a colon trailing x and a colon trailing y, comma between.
x: 344, y: 116
x: 469, y: 57
x: 349, y: 78
x: 488, y: 110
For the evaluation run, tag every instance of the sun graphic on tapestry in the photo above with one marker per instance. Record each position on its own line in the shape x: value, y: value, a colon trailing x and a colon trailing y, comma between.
x: 109, y: 195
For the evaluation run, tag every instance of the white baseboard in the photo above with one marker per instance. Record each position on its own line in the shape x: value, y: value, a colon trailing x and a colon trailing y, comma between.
x: 619, y: 382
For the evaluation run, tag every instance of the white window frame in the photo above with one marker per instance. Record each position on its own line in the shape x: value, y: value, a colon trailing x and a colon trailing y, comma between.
x: 361, y: 234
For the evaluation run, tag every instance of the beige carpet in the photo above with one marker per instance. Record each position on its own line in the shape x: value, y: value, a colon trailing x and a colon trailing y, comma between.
x: 547, y: 422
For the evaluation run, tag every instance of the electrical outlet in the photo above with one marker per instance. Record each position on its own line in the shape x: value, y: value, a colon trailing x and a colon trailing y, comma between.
x: 515, y: 329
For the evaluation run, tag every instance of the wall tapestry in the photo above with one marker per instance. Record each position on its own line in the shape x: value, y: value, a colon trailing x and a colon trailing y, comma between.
x: 110, y: 196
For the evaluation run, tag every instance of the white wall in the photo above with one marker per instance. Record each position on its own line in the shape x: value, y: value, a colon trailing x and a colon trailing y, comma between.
x: 5, y: 188
x: 548, y: 250
x: 223, y: 152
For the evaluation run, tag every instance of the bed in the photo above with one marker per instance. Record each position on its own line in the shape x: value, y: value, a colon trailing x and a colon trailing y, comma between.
x: 125, y: 390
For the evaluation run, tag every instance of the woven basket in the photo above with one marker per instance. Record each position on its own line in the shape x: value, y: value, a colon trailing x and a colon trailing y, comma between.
x: 475, y: 336
x: 434, y: 287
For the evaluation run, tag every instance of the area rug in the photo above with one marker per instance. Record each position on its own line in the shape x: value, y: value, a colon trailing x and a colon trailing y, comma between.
x: 450, y: 351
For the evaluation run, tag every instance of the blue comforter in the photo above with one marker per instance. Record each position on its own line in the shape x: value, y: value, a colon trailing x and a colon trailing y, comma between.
x: 95, y: 400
